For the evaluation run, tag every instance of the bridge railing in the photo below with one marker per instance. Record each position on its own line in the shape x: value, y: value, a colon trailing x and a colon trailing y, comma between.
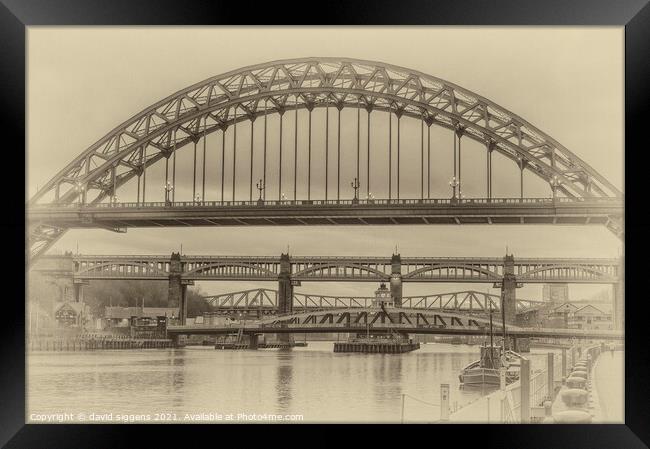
x: 345, y: 202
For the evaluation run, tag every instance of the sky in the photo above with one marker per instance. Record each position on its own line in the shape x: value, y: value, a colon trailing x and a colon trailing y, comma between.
x: 567, y: 81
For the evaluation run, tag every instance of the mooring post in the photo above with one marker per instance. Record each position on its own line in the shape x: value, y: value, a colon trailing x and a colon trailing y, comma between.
x: 524, y: 378
x: 444, y: 402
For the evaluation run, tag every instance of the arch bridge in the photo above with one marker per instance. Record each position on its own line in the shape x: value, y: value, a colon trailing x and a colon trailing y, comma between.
x: 266, y: 147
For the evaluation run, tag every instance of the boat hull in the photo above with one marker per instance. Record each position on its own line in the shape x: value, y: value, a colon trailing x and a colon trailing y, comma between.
x: 480, y: 376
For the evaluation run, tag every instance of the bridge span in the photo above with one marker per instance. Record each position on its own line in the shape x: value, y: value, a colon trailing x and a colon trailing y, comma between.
x: 384, y: 320
x: 506, y: 273
x: 175, y: 331
x: 372, y: 176
x: 528, y: 211
x: 335, y: 268
x: 265, y: 300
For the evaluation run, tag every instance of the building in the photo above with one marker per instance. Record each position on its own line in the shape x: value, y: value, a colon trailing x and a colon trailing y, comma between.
x: 579, y: 315
x: 121, y: 316
x: 591, y: 317
x: 71, y: 314
x: 382, y: 295
x: 555, y: 293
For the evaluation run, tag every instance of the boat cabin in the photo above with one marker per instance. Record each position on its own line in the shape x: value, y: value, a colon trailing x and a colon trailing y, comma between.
x: 491, y: 357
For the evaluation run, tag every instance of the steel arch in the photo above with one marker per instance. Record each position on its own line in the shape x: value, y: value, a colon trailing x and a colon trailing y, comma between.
x: 480, y: 272
x: 317, y: 82
x: 312, y: 271
x: 273, y: 87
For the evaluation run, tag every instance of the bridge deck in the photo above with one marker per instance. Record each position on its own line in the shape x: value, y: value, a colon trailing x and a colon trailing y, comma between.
x: 337, y: 212
x: 407, y: 328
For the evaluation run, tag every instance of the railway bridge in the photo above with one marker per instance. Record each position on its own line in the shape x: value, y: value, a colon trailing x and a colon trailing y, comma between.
x: 507, y: 273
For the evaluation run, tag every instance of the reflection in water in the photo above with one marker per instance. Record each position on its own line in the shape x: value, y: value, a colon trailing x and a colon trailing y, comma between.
x: 312, y: 381
x: 284, y: 379
x: 387, y: 376
x: 176, y: 378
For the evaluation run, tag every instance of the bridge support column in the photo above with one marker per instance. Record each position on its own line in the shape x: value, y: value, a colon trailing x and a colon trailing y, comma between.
x: 396, y: 280
x: 177, y: 291
x: 285, y: 293
x: 509, y: 290
x: 253, y: 341
x: 78, y: 292
x: 285, y: 288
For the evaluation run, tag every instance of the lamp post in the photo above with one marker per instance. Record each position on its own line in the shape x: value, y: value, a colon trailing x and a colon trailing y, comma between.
x: 168, y: 188
x: 453, y: 183
x: 260, y: 186
x: 355, y: 185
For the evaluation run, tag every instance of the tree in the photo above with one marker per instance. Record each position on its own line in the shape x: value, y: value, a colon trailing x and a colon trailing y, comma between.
x: 131, y: 293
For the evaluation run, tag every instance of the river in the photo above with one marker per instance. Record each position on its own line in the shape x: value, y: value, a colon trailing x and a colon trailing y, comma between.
x: 201, y: 384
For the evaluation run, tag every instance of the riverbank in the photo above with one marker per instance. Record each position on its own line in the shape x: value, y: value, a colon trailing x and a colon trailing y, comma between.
x: 91, y: 344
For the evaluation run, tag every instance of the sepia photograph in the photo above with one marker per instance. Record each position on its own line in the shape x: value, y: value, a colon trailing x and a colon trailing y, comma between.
x: 325, y: 224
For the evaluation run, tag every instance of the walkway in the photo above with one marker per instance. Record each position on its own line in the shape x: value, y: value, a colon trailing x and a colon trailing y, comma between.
x: 609, y: 382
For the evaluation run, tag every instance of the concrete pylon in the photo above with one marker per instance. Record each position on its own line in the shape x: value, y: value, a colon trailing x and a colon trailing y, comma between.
x: 509, y: 289
x: 396, y: 280
x: 176, y: 291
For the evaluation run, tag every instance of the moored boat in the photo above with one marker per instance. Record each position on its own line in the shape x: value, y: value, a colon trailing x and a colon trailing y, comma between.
x: 486, y: 371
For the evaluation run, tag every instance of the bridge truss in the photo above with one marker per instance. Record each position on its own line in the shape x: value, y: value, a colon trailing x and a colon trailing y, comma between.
x: 263, y: 299
x: 341, y: 268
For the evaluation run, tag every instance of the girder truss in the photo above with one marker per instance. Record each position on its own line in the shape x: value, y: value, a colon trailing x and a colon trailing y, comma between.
x: 266, y: 299
x: 343, y: 268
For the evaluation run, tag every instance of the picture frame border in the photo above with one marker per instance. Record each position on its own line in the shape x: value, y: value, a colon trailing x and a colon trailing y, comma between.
x: 634, y: 15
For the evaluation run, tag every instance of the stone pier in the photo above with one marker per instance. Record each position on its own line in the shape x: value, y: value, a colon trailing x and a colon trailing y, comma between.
x: 396, y: 280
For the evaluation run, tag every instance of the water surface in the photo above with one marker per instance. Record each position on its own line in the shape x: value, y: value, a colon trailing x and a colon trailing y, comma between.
x: 178, y: 385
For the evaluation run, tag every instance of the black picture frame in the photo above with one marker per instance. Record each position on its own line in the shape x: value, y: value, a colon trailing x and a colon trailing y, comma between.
x: 16, y: 15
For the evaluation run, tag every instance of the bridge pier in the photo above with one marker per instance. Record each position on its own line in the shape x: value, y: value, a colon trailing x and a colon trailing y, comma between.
x: 285, y: 288
x: 253, y: 341
x: 176, y: 293
x: 509, y: 290
x: 396, y: 280
x: 285, y: 293
x: 78, y: 292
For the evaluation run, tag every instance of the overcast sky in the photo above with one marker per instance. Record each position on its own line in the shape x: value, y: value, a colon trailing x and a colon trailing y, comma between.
x: 568, y: 82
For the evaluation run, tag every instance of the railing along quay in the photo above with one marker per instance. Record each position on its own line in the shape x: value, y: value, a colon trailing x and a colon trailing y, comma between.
x: 89, y: 344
